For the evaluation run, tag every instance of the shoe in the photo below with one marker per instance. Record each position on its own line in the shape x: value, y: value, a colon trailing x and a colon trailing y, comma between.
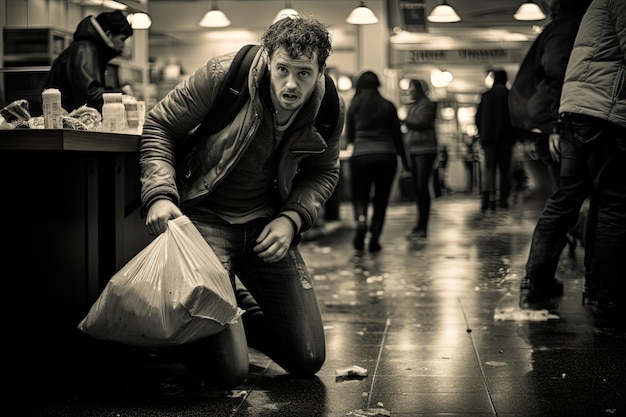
x: 417, y: 232
x: 608, y: 318
x: 374, y: 246
x: 359, y: 236
x: 535, y: 297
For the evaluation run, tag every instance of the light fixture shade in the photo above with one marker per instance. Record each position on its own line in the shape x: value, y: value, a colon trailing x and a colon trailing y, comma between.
x: 443, y: 13
x: 362, y: 16
x: 284, y: 13
x: 214, y: 19
x: 529, y: 11
x: 139, y: 20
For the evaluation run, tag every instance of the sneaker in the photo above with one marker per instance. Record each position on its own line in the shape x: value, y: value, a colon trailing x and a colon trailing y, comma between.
x: 416, y: 233
x: 608, y: 318
x: 534, y: 297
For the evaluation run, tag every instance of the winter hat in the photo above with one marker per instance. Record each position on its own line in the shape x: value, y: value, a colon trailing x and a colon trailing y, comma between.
x: 367, y: 80
x: 115, y: 22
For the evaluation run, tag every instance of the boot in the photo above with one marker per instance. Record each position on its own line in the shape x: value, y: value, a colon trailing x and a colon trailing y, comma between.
x: 375, y: 231
x: 484, y: 201
x: 359, y: 236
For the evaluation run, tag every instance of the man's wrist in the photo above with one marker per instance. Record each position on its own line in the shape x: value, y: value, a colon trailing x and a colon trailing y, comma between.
x: 291, y: 221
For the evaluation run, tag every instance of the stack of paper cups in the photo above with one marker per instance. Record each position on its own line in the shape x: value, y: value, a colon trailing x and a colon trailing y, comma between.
x: 52, y: 110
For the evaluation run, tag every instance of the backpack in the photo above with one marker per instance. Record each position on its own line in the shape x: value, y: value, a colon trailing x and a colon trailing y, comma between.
x: 233, y: 95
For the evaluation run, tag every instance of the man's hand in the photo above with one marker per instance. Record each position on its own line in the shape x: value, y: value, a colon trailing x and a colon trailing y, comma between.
x: 275, y: 239
x: 159, y: 213
x: 554, y: 143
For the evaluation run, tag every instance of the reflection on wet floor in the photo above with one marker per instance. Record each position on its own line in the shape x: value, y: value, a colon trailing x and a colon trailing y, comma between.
x: 417, y: 324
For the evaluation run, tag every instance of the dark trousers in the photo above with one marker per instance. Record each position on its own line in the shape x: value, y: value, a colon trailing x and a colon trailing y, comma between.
x: 497, y: 171
x: 593, y: 163
x: 372, y: 178
x: 421, y: 171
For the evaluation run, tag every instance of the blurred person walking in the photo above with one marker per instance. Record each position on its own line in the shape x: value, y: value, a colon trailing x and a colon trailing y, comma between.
x: 497, y: 138
x: 421, y: 143
x: 536, y: 90
x: 79, y: 71
x: 372, y: 129
x: 593, y: 162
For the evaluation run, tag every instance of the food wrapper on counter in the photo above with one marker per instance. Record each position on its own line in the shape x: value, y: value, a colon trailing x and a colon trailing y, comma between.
x: 16, y: 115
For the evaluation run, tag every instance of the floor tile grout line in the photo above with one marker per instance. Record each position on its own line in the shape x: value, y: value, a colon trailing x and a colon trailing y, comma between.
x: 380, y: 352
x: 483, y: 376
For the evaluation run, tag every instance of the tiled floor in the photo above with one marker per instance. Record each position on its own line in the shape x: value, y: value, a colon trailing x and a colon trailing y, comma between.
x: 419, y: 317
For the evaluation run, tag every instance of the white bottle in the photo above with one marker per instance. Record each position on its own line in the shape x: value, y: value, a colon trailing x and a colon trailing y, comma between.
x: 113, y: 113
x: 52, y: 110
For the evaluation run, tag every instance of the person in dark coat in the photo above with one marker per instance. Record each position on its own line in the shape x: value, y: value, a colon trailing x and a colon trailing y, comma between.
x: 373, y: 129
x: 536, y: 90
x: 79, y: 71
x: 497, y: 138
x: 422, y: 145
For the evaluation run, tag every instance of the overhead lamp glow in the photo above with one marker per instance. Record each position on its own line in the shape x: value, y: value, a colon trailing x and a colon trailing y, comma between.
x: 108, y: 4
x: 362, y: 15
x: 444, y: 13
x: 285, y: 12
x: 529, y: 11
x: 139, y: 20
x: 214, y: 18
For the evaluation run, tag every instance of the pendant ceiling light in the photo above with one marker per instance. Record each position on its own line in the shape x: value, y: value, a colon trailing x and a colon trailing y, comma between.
x: 362, y: 15
x: 286, y: 11
x: 444, y: 13
x: 139, y: 20
x: 214, y: 18
x: 529, y: 11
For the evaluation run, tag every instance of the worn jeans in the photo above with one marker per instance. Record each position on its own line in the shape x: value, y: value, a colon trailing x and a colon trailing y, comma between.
x: 288, y: 328
x: 593, y: 163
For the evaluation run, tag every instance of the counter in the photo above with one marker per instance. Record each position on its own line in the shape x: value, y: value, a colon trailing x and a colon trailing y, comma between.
x: 72, y: 216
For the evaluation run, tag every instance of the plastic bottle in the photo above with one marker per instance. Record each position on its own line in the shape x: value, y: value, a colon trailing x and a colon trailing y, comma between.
x: 113, y: 113
x: 132, y: 114
x: 52, y: 110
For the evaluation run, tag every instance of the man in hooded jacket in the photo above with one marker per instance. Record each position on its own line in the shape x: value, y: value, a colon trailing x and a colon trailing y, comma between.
x: 79, y: 71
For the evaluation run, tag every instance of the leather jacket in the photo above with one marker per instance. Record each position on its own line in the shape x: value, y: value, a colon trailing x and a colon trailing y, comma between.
x: 308, y: 169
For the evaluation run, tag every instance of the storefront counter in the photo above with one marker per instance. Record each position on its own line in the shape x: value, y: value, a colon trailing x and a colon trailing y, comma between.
x: 72, y: 216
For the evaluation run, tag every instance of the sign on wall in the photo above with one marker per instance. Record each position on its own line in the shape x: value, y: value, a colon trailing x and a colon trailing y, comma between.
x: 414, y: 15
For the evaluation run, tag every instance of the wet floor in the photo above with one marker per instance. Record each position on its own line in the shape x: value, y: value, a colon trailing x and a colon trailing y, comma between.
x: 417, y: 317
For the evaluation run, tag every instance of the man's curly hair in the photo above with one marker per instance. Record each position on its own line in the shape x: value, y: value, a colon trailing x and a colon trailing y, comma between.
x: 299, y: 35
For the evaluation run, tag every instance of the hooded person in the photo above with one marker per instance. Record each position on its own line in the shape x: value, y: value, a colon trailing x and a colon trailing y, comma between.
x: 79, y: 71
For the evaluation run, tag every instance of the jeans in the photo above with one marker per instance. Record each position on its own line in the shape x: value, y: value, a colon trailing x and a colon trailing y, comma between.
x: 593, y: 162
x: 288, y: 328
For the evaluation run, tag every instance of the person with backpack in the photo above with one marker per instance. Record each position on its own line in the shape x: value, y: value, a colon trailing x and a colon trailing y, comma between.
x: 251, y: 189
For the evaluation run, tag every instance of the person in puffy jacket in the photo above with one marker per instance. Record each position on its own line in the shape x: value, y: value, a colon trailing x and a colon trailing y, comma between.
x: 251, y: 189
x: 593, y: 163
x: 422, y: 146
x: 373, y: 131
x: 79, y: 71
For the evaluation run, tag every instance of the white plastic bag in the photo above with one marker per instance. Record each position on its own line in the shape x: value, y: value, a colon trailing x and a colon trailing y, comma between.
x: 172, y: 292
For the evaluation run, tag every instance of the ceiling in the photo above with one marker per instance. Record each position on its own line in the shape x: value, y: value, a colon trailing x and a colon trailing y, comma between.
x: 486, y: 24
x: 481, y: 20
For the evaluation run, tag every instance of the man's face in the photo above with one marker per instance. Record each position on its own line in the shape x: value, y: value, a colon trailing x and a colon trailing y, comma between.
x: 292, y: 80
x: 118, y: 41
